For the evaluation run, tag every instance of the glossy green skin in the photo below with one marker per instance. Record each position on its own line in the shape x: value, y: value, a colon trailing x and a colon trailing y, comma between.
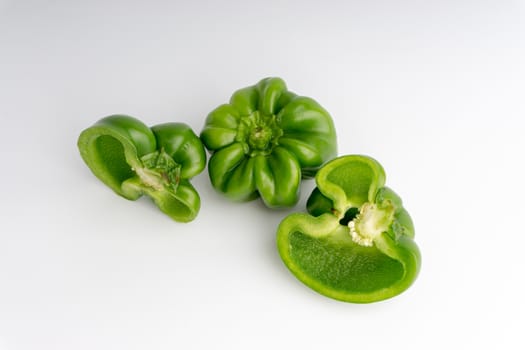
x: 133, y: 159
x: 264, y: 141
x: 320, y: 251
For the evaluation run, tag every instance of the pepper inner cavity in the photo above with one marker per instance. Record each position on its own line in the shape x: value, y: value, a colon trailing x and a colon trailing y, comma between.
x: 110, y: 153
x: 349, y: 216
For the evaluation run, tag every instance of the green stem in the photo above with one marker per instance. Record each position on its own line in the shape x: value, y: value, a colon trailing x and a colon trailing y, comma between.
x: 259, y: 133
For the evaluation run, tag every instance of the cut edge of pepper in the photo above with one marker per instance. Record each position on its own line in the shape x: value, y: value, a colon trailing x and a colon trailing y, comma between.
x: 91, y: 156
x: 318, y: 227
x: 336, y: 194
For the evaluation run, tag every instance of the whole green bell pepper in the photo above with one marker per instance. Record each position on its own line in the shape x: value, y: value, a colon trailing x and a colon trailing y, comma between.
x: 357, y: 244
x: 264, y: 141
x: 133, y: 159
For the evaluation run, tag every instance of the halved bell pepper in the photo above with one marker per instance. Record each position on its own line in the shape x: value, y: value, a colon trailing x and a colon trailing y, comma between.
x: 133, y: 159
x: 264, y: 141
x: 356, y: 244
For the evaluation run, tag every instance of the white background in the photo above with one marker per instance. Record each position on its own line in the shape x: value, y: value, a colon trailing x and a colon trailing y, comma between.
x: 434, y: 90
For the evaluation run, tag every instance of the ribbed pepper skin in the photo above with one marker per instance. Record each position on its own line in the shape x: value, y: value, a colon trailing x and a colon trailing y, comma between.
x: 264, y: 141
x: 356, y: 244
x: 133, y: 159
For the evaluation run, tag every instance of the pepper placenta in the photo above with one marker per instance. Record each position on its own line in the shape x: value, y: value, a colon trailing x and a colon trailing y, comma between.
x: 133, y: 159
x: 264, y: 141
x: 356, y: 244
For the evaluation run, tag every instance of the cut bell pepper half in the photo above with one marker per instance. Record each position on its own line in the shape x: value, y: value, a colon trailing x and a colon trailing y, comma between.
x: 133, y: 159
x: 356, y: 243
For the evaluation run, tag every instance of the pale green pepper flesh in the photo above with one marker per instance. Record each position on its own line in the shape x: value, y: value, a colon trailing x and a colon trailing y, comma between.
x: 357, y: 244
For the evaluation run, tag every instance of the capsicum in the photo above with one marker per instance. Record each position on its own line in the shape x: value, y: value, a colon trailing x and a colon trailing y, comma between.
x: 133, y: 159
x: 356, y: 244
x: 264, y: 141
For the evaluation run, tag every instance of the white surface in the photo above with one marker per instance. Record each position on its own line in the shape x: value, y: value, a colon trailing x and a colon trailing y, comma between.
x: 432, y: 89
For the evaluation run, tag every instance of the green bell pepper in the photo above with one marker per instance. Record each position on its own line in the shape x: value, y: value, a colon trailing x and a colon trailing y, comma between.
x: 264, y: 141
x: 357, y: 243
x: 133, y: 159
